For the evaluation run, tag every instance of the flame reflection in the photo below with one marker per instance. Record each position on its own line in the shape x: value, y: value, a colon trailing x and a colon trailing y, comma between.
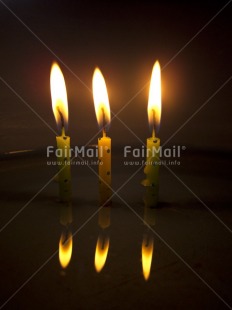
x: 147, y: 253
x: 101, y: 252
x: 65, y: 248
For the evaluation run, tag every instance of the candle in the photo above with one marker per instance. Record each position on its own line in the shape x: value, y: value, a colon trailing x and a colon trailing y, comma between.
x: 60, y: 110
x: 153, y: 143
x: 102, y: 109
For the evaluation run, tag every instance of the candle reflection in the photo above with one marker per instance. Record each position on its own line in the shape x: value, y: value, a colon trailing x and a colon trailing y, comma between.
x: 66, y: 240
x: 148, y: 239
x: 103, y: 242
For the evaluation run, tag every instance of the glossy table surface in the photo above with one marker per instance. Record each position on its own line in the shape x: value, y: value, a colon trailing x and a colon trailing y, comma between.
x: 190, y: 233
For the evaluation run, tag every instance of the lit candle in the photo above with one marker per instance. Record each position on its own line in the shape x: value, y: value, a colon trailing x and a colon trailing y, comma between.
x: 102, y: 109
x: 60, y: 110
x: 153, y: 143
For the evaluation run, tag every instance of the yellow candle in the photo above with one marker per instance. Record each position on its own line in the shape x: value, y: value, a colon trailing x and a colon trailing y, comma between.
x: 104, y: 169
x: 102, y: 109
x: 153, y: 143
x: 152, y: 170
x: 63, y: 161
x: 60, y: 110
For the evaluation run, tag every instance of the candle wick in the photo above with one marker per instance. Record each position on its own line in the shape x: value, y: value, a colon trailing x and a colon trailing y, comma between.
x: 153, y: 130
x: 153, y: 133
x: 62, y: 131
x: 103, y: 122
x: 61, y: 117
x: 62, y: 122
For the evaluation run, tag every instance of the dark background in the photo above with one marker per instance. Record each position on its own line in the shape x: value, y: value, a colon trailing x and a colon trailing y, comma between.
x: 192, y: 224
x: 123, y: 39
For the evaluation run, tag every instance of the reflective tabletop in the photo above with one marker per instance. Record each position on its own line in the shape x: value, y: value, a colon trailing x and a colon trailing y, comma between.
x: 79, y: 255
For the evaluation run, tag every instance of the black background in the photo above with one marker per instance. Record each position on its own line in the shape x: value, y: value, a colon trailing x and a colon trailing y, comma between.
x: 123, y: 39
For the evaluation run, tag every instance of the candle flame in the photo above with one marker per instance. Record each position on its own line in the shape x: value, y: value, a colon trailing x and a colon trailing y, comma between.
x: 101, y: 100
x: 59, y: 97
x: 154, y: 101
x: 101, y: 252
x: 147, y: 252
x: 65, y: 249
